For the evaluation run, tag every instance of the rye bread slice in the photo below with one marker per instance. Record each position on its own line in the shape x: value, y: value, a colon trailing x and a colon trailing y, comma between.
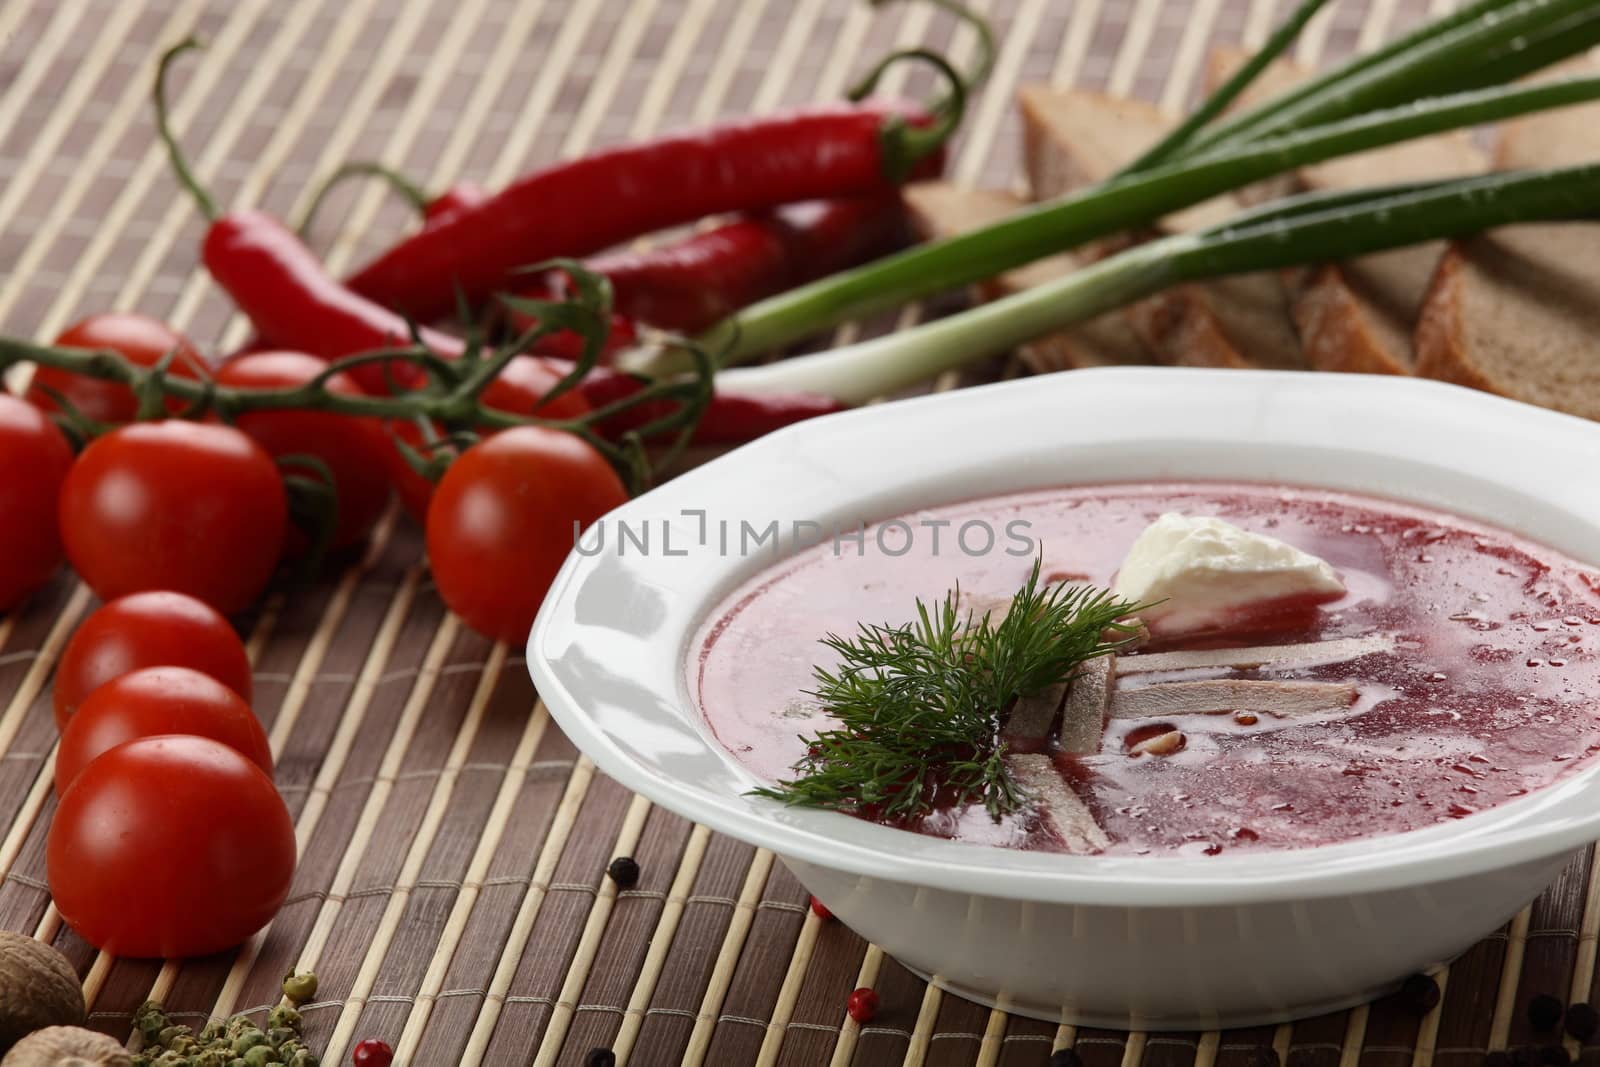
x: 940, y: 209
x: 1358, y: 315
x: 1516, y: 311
x: 1072, y: 138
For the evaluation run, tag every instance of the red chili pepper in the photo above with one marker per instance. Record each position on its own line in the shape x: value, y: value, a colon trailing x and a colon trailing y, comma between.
x: 690, y: 284
x: 589, y: 204
x: 730, y: 418
x: 295, y: 303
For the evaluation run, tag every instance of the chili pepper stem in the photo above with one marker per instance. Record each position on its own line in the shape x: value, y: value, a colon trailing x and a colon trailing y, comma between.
x: 180, y: 163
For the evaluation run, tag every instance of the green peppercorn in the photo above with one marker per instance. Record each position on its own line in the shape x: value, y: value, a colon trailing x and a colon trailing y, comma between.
x: 305, y: 1058
x: 282, y: 1015
x: 248, y: 1040
x: 300, y: 988
x: 260, y: 1056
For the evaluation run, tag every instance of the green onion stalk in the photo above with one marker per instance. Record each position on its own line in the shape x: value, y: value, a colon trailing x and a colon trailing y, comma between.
x: 1315, y: 228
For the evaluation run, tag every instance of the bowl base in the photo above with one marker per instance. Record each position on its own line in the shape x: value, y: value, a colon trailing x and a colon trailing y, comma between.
x: 1176, y: 1023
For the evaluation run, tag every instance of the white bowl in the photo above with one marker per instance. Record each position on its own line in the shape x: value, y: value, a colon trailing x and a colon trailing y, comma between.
x: 1154, y: 943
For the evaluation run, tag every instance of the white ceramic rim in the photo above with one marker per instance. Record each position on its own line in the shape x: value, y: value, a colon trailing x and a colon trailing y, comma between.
x: 1427, y: 443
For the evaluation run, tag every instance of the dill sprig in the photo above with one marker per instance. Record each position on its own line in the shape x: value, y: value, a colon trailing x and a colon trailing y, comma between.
x: 918, y: 708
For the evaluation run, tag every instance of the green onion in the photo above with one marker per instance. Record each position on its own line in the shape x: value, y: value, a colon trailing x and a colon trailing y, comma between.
x: 1113, y: 207
x: 1315, y: 229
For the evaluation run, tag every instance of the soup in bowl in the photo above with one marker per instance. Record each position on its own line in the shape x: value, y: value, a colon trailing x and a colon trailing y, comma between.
x: 1318, y: 708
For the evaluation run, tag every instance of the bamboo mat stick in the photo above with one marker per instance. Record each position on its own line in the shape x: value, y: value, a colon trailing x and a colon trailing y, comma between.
x: 544, y: 869
x: 1135, y: 42
x: 993, y: 1041
x: 797, y: 32
x: 472, y: 883
x: 789, y: 992
x: 1192, y: 49
x: 658, y: 93
x: 1282, y: 1037
x: 594, y: 928
x: 68, y: 198
x: 1583, y: 964
x: 660, y: 944
x: 1428, y: 1031
x: 151, y: 165
x: 1313, y: 39
x: 416, y: 855
x: 1510, y: 971
x: 110, y: 32
x: 1075, y: 47
x: 40, y: 56
x: 996, y: 95
x: 382, y: 785
x: 1205, y: 1050
x: 844, y: 1049
x: 352, y: 718
x: 32, y: 683
x: 355, y: 114
x: 922, y: 1029
x: 219, y: 62
x: 1355, y: 1036
x: 727, y: 961
x: 714, y: 92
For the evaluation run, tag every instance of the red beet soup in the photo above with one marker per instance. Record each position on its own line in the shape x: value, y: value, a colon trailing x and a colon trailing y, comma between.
x: 1469, y: 654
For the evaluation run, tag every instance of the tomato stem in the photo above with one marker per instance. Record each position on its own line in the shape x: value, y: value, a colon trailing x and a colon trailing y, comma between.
x: 408, y: 190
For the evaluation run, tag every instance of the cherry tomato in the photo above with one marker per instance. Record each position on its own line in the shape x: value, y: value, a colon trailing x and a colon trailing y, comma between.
x: 139, y: 339
x: 157, y: 629
x: 372, y: 1053
x: 159, y: 700
x: 503, y: 519
x: 34, y: 460
x: 354, y: 449
x: 519, y: 389
x: 170, y: 846
x: 194, y: 507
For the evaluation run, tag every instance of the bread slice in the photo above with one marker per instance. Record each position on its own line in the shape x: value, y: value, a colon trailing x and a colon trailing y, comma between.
x: 940, y: 209
x: 1357, y: 315
x: 1517, y: 311
x: 1072, y: 138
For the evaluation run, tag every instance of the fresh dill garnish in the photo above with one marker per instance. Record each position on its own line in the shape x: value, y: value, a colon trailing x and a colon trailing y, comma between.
x: 918, y: 708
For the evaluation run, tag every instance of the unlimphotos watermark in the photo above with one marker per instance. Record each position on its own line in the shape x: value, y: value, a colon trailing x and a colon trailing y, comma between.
x: 894, y: 537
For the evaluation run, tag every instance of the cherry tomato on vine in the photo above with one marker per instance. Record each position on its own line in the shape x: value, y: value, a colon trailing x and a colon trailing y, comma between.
x: 138, y: 338
x: 194, y: 507
x: 170, y: 846
x: 354, y: 449
x: 34, y: 460
x: 156, y: 629
x: 159, y: 700
x: 519, y: 389
x: 502, y: 521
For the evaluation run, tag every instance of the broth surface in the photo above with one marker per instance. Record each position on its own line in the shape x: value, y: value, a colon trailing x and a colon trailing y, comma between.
x: 1491, y: 690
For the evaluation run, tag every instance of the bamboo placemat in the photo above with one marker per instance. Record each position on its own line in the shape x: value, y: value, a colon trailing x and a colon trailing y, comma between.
x: 450, y: 894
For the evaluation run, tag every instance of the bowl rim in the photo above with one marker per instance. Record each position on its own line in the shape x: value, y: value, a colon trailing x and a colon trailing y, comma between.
x: 1432, y: 426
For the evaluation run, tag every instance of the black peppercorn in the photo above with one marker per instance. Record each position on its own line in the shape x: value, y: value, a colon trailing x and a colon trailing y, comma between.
x: 601, y: 1057
x: 1582, y: 1021
x: 1419, y: 994
x: 1065, y: 1057
x: 1544, y: 1012
x: 624, y: 871
x: 1554, y: 1056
